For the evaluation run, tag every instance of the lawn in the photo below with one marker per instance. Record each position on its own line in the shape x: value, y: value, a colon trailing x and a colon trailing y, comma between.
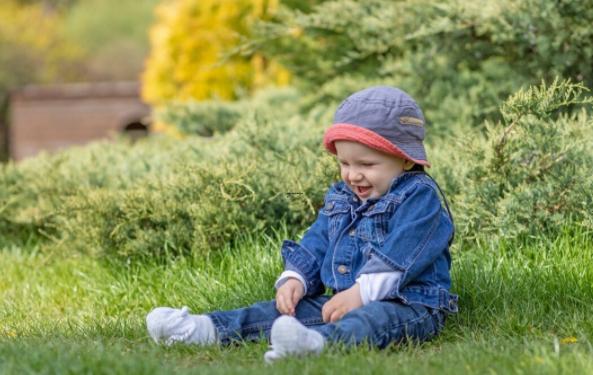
x: 523, y: 309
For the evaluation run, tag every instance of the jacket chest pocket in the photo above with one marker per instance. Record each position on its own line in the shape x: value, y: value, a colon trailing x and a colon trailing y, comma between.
x: 374, y: 223
x: 338, y: 213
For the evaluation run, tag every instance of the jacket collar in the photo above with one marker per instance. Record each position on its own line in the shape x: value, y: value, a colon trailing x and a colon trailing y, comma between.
x: 395, y: 182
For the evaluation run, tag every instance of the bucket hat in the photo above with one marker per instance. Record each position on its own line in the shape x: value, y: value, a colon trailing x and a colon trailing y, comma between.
x: 383, y: 118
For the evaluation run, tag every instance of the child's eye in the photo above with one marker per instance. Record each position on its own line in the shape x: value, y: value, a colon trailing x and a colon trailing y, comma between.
x: 367, y: 164
x: 343, y: 163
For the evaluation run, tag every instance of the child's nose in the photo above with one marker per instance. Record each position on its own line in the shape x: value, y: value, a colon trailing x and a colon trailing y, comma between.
x: 355, y: 175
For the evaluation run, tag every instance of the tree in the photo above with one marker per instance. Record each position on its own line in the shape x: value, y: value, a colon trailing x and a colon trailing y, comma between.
x: 196, y: 51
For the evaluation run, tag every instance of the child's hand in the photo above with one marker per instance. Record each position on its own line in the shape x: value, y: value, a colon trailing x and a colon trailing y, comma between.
x: 341, y: 303
x: 289, y: 295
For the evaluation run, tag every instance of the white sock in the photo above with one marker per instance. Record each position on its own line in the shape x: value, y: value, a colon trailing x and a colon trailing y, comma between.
x: 291, y: 338
x: 170, y: 325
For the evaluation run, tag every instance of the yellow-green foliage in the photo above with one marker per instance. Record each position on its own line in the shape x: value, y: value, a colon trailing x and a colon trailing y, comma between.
x: 529, y: 175
x: 171, y: 197
x: 31, y: 46
x: 208, y: 117
x: 192, y: 44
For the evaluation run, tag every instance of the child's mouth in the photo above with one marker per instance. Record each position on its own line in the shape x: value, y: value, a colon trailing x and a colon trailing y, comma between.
x: 363, y: 190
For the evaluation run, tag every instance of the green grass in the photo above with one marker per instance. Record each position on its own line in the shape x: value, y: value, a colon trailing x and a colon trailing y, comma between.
x: 523, y: 309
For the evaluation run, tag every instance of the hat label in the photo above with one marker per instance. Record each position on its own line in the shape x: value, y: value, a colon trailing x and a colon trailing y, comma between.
x: 407, y: 120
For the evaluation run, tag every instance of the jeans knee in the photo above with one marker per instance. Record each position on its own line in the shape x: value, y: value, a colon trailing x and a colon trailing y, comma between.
x: 355, y: 329
x: 380, y: 325
x: 427, y: 325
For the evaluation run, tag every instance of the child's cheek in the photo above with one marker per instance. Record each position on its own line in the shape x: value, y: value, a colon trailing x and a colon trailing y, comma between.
x: 344, y: 176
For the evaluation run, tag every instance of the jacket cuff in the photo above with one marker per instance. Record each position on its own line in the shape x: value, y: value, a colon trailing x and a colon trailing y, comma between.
x: 379, y: 262
x: 298, y: 259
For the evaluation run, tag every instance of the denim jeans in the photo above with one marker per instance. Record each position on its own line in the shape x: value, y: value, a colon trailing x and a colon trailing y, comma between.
x: 378, y: 323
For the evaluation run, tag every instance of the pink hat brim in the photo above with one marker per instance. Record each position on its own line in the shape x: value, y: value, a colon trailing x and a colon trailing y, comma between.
x: 349, y: 132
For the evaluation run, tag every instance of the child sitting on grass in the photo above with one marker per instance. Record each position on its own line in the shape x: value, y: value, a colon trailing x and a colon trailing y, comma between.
x: 380, y: 243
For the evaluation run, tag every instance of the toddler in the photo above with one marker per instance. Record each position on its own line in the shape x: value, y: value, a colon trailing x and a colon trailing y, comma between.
x: 380, y: 243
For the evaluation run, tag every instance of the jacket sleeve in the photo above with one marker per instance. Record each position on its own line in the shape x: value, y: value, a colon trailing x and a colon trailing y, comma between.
x: 306, y: 257
x: 419, y: 232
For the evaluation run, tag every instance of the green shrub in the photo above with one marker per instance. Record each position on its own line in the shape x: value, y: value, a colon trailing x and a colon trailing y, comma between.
x: 33, y: 192
x: 530, y: 175
x: 263, y: 180
x: 201, y: 118
x: 526, y: 176
x: 205, y: 118
x: 458, y: 59
x: 164, y: 197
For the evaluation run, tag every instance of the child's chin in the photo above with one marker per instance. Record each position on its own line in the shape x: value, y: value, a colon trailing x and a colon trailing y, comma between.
x: 364, y: 197
x: 375, y: 195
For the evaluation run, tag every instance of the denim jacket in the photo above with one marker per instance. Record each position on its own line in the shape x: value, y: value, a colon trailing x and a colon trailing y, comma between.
x: 406, y: 231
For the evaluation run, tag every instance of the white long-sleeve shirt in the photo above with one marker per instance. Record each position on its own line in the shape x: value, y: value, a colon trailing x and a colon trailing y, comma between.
x: 373, y: 286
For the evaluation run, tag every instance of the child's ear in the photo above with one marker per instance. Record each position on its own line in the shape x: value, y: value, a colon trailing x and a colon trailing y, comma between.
x: 408, y: 164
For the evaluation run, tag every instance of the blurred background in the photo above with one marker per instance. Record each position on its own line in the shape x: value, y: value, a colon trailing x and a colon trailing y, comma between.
x: 76, y: 70
x: 70, y: 71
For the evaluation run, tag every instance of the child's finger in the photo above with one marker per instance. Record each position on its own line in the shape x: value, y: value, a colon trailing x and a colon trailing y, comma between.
x: 280, y: 304
x: 326, y: 311
x: 335, y: 316
x: 295, y: 297
x: 289, y: 305
x: 286, y: 304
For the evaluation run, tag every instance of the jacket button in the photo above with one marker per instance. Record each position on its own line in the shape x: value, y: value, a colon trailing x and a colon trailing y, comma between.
x: 330, y: 205
x: 342, y: 269
x: 352, y: 232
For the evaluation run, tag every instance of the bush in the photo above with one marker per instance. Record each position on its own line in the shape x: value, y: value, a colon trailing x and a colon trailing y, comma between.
x: 161, y: 197
x: 530, y: 175
x: 201, y: 118
x: 458, y: 59
x: 34, y: 191
x: 206, y: 118
x: 266, y: 177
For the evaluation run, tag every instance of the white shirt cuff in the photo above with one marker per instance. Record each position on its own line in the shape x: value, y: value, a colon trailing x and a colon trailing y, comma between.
x: 376, y: 286
x: 284, y: 276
